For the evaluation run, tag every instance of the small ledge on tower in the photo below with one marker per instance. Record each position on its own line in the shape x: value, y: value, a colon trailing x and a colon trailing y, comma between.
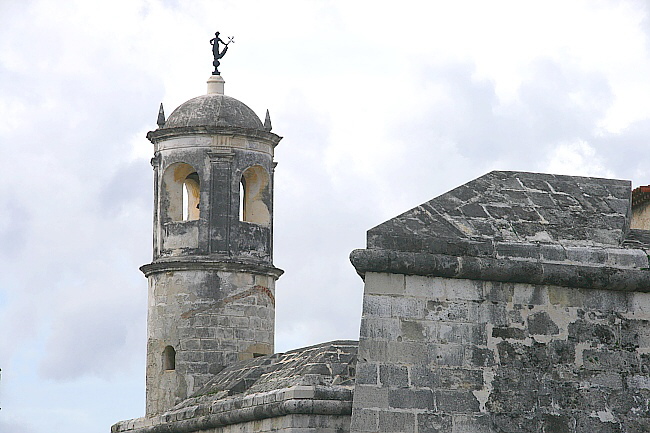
x: 215, y: 85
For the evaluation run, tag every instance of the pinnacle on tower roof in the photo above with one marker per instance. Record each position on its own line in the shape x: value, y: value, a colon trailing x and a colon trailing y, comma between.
x: 161, y: 117
x: 267, y: 122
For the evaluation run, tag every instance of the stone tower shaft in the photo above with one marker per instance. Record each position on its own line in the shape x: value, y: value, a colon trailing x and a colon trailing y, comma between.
x: 212, y: 279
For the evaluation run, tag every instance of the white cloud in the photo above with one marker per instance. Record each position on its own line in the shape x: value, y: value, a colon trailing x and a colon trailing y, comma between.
x: 382, y: 106
x: 576, y: 159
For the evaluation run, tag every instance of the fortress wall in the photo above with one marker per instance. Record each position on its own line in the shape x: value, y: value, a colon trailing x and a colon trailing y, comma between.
x: 459, y: 356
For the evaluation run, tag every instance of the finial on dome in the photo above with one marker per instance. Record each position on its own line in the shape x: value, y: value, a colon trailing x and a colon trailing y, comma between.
x: 219, y: 54
x: 161, y: 117
x: 267, y: 122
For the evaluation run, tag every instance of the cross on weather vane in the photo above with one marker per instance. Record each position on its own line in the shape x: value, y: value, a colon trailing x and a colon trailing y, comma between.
x: 217, y: 53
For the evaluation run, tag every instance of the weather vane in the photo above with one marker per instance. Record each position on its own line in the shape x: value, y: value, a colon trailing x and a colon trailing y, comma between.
x: 219, y: 53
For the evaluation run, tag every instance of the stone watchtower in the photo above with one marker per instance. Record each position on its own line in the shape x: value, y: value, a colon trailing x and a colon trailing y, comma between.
x: 212, y: 279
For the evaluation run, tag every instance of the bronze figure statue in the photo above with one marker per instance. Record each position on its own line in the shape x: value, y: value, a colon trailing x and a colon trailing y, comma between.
x: 219, y: 53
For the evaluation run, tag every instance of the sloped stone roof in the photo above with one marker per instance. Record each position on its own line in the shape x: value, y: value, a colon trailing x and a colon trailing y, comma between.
x: 518, y: 227
x: 316, y: 380
x: 517, y: 207
x: 330, y: 363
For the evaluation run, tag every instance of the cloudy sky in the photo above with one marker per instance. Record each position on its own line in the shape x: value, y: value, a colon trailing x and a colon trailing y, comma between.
x: 382, y: 105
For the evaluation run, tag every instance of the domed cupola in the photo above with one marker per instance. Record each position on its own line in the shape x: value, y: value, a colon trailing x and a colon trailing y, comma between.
x: 212, y: 278
x: 214, y: 110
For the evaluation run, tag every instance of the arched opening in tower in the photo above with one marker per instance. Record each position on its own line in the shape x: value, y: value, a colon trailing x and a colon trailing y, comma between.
x: 254, y: 195
x: 181, y: 189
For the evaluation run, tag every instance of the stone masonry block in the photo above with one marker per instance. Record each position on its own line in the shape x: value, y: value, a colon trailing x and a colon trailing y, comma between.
x: 408, y: 353
x: 541, y: 324
x: 380, y: 328
x: 384, y: 284
x: 393, y: 376
x: 481, y: 357
x: 605, y: 380
x: 512, y: 333
x: 639, y: 382
x: 408, y: 308
x: 456, y: 401
x: 364, y: 420
x: 366, y: 374
x: 605, y: 300
x: 462, y: 333
x: 565, y: 297
x: 424, y: 287
x: 586, y: 255
x: 300, y: 392
x: 472, y: 424
x: 627, y: 258
x: 497, y: 292
x: 238, y: 322
x: 405, y: 398
x: 371, y: 349
x: 492, y: 313
x: 423, y: 376
x: 396, y: 422
x: 370, y: 397
x: 604, y: 360
x: 374, y: 305
x: 459, y: 311
x: 245, y: 334
x: 434, y: 423
x: 596, y: 333
x: 449, y: 355
x: 460, y: 378
x: 635, y: 334
x: 552, y: 253
x: 224, y: 333
x: 528, y: 294
x: 587, y: 423
x: 519, y: 424
x: 639, y: 303
x: 192, y: 344
x: 411, y: 330
x: 443, y: 288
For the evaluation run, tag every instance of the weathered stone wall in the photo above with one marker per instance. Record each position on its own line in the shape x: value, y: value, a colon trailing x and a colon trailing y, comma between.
x: 219, y: 162
x: 212, y: 319
x: 458, y: 355
x: 294, y: 410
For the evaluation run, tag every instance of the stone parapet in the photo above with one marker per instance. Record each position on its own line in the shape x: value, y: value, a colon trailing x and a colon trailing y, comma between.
x: 210, y: 263
x: 298, y: 400
x: 183, y: 131
x: 588, y: 269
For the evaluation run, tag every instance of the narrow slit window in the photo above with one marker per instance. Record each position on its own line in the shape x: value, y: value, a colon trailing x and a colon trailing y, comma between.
x: 169, y: 359
x: 191, y: 197
x: 185, y: 206
x: 242, y: 195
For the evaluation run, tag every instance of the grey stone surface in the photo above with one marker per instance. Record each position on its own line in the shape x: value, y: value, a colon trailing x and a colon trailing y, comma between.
x: 214, y: 110
x: 532, y: 359
x: 588, y: 275
x: 212, y: 279
x: 332, y: 363
x: 513, y: 207
x: 317, y: 381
